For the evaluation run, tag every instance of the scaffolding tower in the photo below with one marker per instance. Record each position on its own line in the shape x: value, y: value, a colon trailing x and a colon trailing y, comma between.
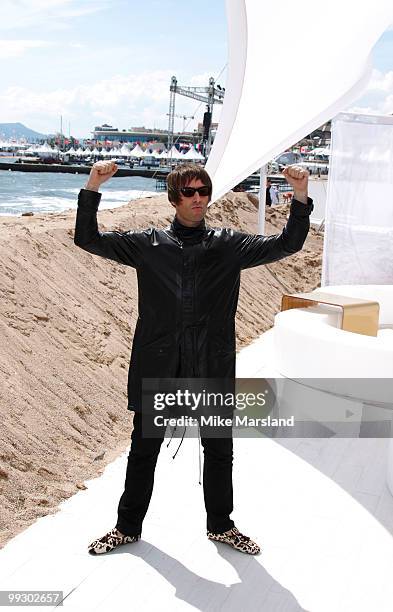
x: 210, y: 95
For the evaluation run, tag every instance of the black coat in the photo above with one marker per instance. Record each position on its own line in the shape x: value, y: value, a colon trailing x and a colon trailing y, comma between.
x: 188, y: 289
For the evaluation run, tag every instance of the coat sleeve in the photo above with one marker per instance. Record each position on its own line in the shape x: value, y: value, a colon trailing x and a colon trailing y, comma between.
x: 123, y: 247
x: 254, y: 250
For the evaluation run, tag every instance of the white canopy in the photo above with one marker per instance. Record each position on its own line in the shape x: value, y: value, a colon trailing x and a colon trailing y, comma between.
x: 137, y: 152
x: 8, y: 144
x: 320, y: 151
x: 320, y: 86
x: 125, y: 151
x: 192, y: 154
x: 44, y: 148
x: 146, y: 153
x: 174, y: 153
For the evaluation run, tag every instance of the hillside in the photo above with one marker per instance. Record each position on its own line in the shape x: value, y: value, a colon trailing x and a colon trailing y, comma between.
x: 18, y: 130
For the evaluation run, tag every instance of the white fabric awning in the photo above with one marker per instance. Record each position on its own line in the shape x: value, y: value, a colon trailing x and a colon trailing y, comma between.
x: 319, y: 86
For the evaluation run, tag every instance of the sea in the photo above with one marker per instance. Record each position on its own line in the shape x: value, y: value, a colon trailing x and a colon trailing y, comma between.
x: 40, y: 192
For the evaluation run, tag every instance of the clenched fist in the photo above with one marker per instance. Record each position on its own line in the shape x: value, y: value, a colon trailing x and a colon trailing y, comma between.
x: 101, y: 171
x: 297, y: 177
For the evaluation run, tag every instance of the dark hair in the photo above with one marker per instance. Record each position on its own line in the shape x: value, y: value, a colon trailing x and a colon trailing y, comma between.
x: 181, y: 176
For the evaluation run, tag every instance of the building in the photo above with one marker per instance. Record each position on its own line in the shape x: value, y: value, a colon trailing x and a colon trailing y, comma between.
x: 107, y: 133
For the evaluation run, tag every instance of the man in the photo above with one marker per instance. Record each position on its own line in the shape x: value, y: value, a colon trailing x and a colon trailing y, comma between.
x: 188, y: 282
x: 268, y: 200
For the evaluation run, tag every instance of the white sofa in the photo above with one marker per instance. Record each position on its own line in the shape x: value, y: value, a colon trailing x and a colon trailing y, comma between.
x: 310, y: 344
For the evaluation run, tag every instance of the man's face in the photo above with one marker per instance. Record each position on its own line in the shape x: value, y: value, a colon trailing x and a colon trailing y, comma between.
x: 191, y: 210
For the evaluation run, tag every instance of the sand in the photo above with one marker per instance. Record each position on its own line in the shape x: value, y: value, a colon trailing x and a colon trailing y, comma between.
x: 66, y: 327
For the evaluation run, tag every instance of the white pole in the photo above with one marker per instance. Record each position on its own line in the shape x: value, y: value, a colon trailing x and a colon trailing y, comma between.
x: 262, y: 200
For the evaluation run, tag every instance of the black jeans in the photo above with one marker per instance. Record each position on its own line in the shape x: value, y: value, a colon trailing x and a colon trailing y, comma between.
x: 138, y: 488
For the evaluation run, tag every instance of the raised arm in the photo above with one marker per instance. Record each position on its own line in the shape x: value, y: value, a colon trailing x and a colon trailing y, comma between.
x: 123, y: 247
x: 254, y: 250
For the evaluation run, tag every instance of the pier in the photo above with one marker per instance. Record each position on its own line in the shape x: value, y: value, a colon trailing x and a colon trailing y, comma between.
x: 75, y: 169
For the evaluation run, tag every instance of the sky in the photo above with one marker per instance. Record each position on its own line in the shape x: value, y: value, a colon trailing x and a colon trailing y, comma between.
x: 111, y: 61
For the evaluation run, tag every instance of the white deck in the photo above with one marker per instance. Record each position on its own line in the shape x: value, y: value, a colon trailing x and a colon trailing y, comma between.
x: 319, y: 508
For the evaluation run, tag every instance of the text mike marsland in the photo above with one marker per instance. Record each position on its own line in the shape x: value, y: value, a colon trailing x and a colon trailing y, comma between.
x: 217, y: 421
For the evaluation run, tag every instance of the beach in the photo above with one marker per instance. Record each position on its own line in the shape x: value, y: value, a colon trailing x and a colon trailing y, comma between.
x: 67, y: 320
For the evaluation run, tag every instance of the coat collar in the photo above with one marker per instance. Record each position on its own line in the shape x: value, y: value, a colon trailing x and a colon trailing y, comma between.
x: 191, y: 235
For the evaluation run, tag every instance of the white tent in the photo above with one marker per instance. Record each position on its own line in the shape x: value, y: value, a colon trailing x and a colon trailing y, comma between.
x: 125, y: 151
x: 137, y: 152
x: 320, y: 151
x: 8, y: 144
x: 110, y: 153
x: 174, y: 153
x: 339, y: 74
x: 192, y: 154
x: 146, y: 153
x: 44, y: 148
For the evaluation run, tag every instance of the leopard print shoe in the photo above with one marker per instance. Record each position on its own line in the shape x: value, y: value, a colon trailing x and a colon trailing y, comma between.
x: 111, y: 540
x: 237, y: 540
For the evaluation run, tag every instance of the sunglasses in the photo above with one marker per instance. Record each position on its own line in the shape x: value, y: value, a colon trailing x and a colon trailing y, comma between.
x: 189, y: 192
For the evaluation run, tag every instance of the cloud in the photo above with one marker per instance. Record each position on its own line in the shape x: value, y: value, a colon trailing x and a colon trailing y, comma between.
x: 199, y: 80
x: 378, y: 96
x: 17, y: 48
x: 202, y: 80
x: 381, y: 81
x: 25, y: 13
x: 122, y: 101
x: 103, y: 95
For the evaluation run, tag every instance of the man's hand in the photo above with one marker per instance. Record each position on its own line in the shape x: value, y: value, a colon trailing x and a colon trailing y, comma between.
x: 297, y: 177
x: 101, y: 171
